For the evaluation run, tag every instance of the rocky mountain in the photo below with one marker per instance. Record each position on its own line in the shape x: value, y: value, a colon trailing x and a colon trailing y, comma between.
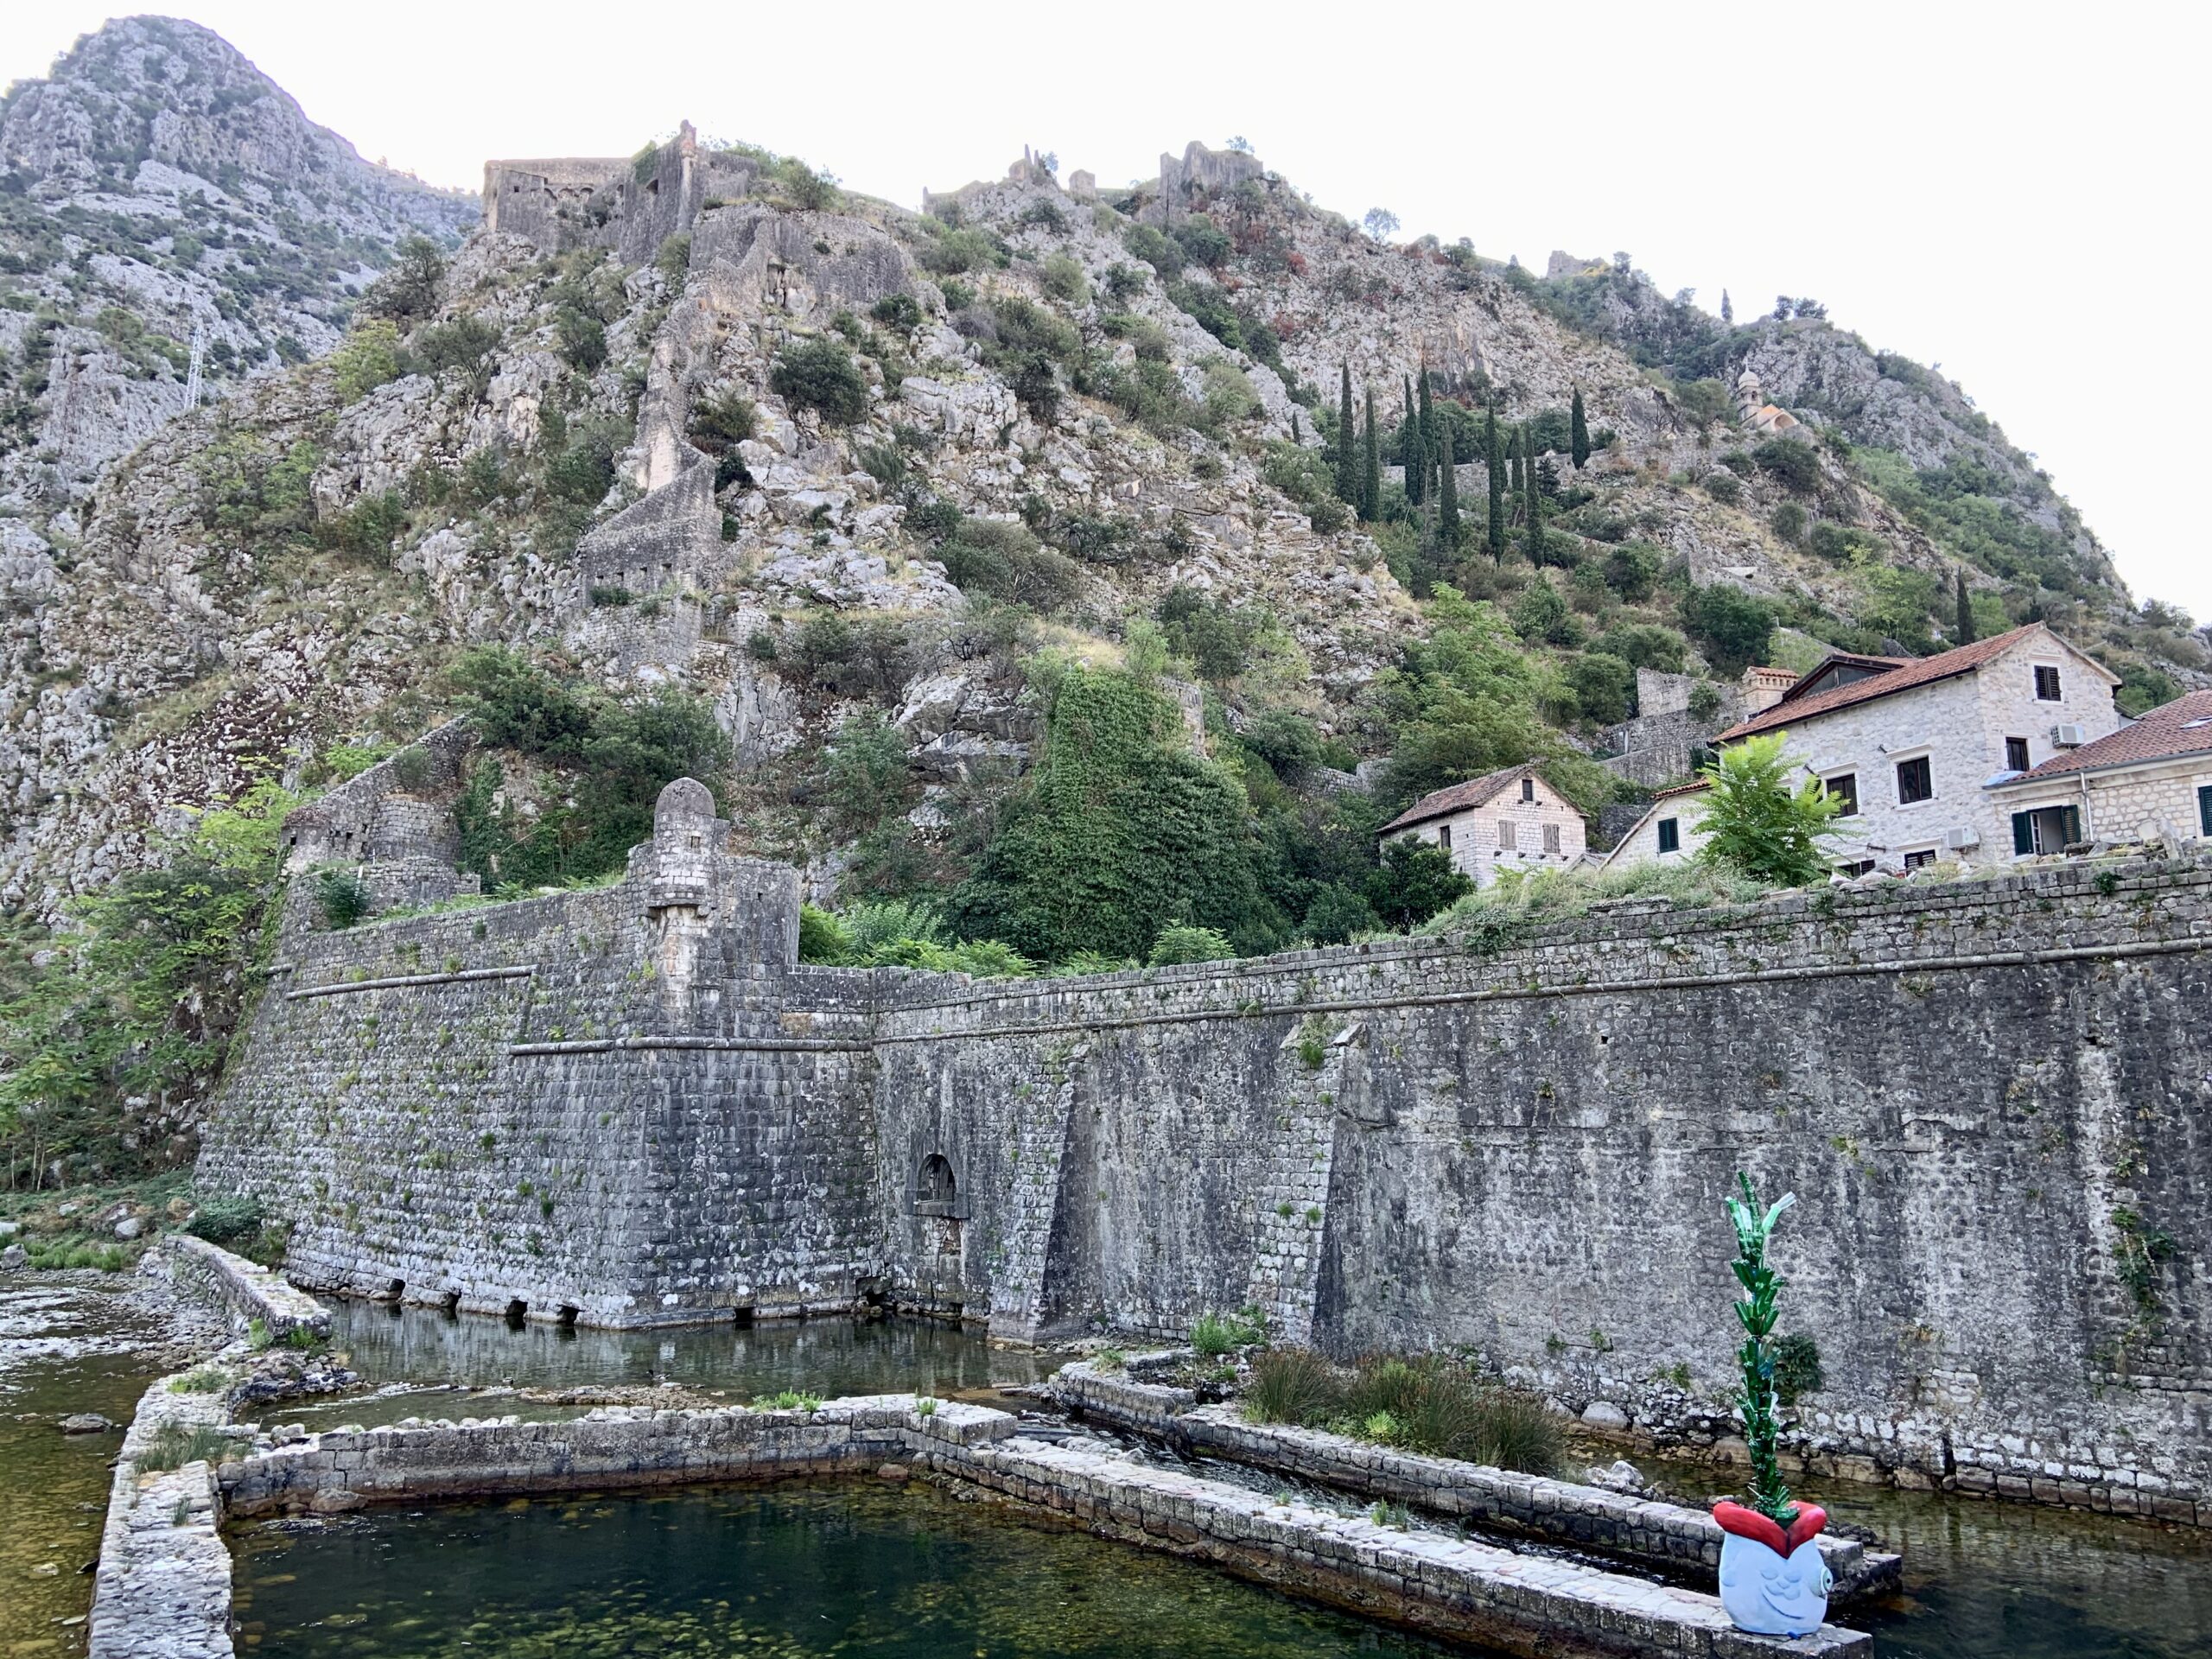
x: 859, y: 477
x: 155, y: 189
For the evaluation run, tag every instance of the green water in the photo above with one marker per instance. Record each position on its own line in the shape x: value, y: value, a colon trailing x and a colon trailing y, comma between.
x: 68, y: 1342
x: 772, y: 1572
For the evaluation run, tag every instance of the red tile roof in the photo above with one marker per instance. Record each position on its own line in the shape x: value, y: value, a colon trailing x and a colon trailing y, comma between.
x: 2179, y: 727
x: 1457, y: 797
x: 1924, y: 671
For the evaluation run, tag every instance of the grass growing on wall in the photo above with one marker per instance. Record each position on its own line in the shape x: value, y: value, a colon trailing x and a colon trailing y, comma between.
x: 1421, y: 1403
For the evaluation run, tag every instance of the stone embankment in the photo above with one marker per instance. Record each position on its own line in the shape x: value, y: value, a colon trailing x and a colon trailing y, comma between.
x: 245, y: 1292
x: 1651, y: 1533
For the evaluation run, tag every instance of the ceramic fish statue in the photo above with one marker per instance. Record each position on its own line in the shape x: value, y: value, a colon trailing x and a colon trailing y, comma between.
x: 1773, y: 1582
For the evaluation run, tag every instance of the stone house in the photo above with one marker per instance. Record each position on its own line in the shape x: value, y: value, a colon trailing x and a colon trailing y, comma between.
x: 1669, y: 832
x: 1510, y: 819
x: 1916, y: 746
x: 2151, y: 778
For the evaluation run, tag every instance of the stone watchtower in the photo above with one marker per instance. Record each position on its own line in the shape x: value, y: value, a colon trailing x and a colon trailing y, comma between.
x: 714, y: 917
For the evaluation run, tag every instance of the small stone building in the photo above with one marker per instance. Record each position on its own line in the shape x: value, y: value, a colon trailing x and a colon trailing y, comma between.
x: 1507, y: 820
x: 2150, y: 779
x: 1671, y: 830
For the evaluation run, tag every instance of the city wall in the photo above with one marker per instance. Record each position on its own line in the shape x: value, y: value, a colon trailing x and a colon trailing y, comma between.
x: 630, y: 1106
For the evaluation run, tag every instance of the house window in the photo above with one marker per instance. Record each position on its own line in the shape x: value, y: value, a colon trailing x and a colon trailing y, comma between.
x: 1527, y: 789
x: 1852, y: 870
x: 1926, y: 856
x: 1670, y: 833
x: 1444, y: 836
x: 2015, y: 754
x: 2046, y: 684
x: 1843, y: 786
x: 1915, y: 782
x: 1505, y: 834
x: 2204, y: 809
x: 1551, y: 837
x: 2047, y: 829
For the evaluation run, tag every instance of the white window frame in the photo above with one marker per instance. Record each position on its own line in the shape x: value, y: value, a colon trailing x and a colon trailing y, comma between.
x: 1905, y: 758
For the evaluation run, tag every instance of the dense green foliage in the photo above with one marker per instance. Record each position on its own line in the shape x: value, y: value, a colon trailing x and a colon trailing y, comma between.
x: 600, y: 762
x: 1759, y: 1402
x: 1755, y: 821
x: 820, y: 375
x: 1423, y: 1403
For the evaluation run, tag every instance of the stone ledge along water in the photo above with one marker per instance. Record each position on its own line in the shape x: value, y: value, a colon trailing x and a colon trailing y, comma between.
x: 631, y: 1107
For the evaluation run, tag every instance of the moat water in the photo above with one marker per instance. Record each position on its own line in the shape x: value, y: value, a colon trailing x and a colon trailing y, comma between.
x: 856, y: 1566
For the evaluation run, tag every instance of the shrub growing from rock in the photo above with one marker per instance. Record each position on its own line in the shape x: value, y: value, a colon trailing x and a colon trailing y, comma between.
x: 820, y: 375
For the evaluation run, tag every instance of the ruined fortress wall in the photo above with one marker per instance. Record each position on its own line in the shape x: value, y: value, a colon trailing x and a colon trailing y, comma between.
x: 1991, y: 1098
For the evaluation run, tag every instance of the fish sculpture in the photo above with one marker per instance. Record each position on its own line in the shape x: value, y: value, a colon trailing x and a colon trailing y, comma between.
x: 1773, y: 1581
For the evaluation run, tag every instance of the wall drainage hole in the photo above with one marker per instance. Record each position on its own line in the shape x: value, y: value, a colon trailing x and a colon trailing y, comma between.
x: 569, y: 1316
x: 518, y: 1310
x: 451, y: 1305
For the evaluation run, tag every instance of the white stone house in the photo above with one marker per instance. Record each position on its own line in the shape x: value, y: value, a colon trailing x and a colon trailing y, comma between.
x: 1510, y: 819
x: 2152, y: 777
x: 1670, y: 831
x: 1916, y: 747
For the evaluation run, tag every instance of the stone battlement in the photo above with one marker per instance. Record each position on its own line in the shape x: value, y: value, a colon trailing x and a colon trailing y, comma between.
x: 634, y: 1105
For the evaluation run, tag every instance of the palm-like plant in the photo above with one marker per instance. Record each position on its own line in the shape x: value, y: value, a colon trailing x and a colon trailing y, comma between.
x: 1755, y: 1312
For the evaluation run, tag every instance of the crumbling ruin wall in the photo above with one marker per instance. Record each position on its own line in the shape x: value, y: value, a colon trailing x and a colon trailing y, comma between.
x: 1991, y: 1098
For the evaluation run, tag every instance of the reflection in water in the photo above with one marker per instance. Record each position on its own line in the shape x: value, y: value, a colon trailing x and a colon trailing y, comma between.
x: 828, y: 1356
x: 68, y: 1342
x: 775, y: 1573
x: 1990, y: 1580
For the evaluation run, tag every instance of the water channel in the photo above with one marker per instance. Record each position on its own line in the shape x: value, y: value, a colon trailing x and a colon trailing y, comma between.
x: 852, y: 1566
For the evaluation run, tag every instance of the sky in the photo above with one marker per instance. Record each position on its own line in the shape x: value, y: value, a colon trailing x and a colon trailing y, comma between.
x: 2016, y: 193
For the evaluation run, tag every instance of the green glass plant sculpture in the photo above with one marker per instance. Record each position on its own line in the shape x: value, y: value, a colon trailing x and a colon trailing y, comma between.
x: 1755, y: 1311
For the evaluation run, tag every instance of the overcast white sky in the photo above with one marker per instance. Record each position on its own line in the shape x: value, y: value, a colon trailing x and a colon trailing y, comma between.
x: 2017, y: 193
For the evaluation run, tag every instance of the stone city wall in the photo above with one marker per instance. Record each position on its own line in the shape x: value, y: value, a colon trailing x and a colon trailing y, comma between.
x: 1989, y: 1097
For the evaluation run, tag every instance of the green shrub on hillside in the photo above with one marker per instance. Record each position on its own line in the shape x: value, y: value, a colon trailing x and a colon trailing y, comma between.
x: 820, y: 375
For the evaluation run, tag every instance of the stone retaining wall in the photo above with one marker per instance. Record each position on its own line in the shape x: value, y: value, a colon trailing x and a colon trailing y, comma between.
x: 164, y: 1586
x: 1667, y: 1535
x: 243, y: 1291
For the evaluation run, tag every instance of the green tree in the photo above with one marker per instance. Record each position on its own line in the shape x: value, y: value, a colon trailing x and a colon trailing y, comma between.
x: 1429, y: 446
x: 1579, y: 431
x: 1370, y: 478
x: 1532, y: 499
x: 1962, y: 632
x: 1447, y: 498
x: 1494, y: 463
x: 1754, y: 1312
x: 1347, y: 442
x: 820, y: 375
x: 1755, y: 822
x: 1736, y: 628
x: 1412, y: 882
x: 1411, y: 456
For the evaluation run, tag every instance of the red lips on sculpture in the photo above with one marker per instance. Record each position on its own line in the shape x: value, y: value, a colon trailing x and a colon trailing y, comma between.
x: 1750, y: 1523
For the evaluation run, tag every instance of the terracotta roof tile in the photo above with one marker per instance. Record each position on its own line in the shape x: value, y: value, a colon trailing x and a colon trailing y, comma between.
x: 1924, y: 671
x: 1457, y: 797
x: 2182, y: 726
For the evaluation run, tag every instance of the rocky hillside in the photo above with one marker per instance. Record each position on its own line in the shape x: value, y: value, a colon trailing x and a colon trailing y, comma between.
x: 156, y: 187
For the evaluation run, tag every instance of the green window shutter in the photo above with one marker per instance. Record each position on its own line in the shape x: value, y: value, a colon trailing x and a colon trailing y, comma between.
x: 2070, y: 818
x: 2204, y: 810
x: 2024, y: 833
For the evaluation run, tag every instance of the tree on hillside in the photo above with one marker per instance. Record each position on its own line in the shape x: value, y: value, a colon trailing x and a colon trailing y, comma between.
x: 1494, y: 462
x: 1447, y: 498
x: 1518, y: 457
x: 1411, y: 456
x: 1755, y: 822
x: 1429, y: 448
x: 1728, y: 308
x: 1413, y: 882
x: 1370, y: 482
x: 1579, y: 429
x: 1533, y: 498
x: 1962, y: 635
x: 1347, y: 450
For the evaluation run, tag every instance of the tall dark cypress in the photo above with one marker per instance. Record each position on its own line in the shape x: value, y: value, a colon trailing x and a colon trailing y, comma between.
x: 1347, y: 445
x: 1963, y: 633
x: 1447, y: 498
x: 1520, y: 469
x: 1533, y: 497
x: 1371, y: 482
x: 1494, y: 463
x: 1411, y: 456
x: 1430, y: 449
x: 1579, y: 432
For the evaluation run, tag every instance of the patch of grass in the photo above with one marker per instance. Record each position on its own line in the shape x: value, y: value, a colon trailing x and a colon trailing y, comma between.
x: 1291, y: 1385
x: 787, y: 1399
x: 1514, y: 901
x: 925, y: 1406
x: 1214, y: 1334
x: 173, y: 1445
x: 1111, y: 1359
x: 1420, y: 1403
x: 205, y: 1380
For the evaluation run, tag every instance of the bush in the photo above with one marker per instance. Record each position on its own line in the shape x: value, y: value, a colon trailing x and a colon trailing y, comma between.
x: 1724, y: 487
x: 1062, y: 277
x: 1630, y: 570
x: 408, y: 289
x: 365, y: 358
x: 1155, y: 249
x: 820, y: 375
x: 722, y: 421
x: 1754, y: 822
x: 1795, y: 464
x: 1339, y: 912
x: 342, y: 897
x: 580, y: 338
x: 225, y: 1221
x: 1736, y: 628
x: 1412, y: 882
x: 1644, y: 645
x: 1004, y: 560
x: 1604, y: 686
x: 1203, y: 242
x: 899, y: 311
x: 1179, y: 943
x: 1291, y: 1385
x: 1788, y: 521
x: 954, y: 253
x: 464, y: 347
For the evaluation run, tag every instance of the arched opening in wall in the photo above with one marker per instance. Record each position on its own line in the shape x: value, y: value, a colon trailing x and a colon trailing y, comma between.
x: 450, y: 1305
x: 393, y: 1290
x: 937, y: 1222
x: 518, y: 1311
x: 936, y: 1184
x: 566, y: 1325
x: 741, y: 1317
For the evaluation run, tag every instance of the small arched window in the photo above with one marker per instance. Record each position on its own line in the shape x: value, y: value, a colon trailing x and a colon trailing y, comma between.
x: 936, y: 1184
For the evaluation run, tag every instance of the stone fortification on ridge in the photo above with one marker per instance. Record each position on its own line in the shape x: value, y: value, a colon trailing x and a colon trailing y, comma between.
x: 633, y: 1105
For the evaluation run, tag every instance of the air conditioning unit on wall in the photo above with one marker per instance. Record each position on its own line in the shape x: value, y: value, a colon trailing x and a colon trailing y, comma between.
x: 2068, y: 737
x: 1959, y: 840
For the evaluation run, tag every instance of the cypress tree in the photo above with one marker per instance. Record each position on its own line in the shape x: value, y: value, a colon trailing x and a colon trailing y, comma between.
x: 1519, y: 480
x: 1964, y: 631
x: 1411, y: 456
x: 1494, y: 463
x: 1579, y: 429
x: 1430, y: 449
x: 1727, y: 309
x: 1347, y: 445
x: 1371, y: 483
x: 1533, y: 498
x: 1447, y: 498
